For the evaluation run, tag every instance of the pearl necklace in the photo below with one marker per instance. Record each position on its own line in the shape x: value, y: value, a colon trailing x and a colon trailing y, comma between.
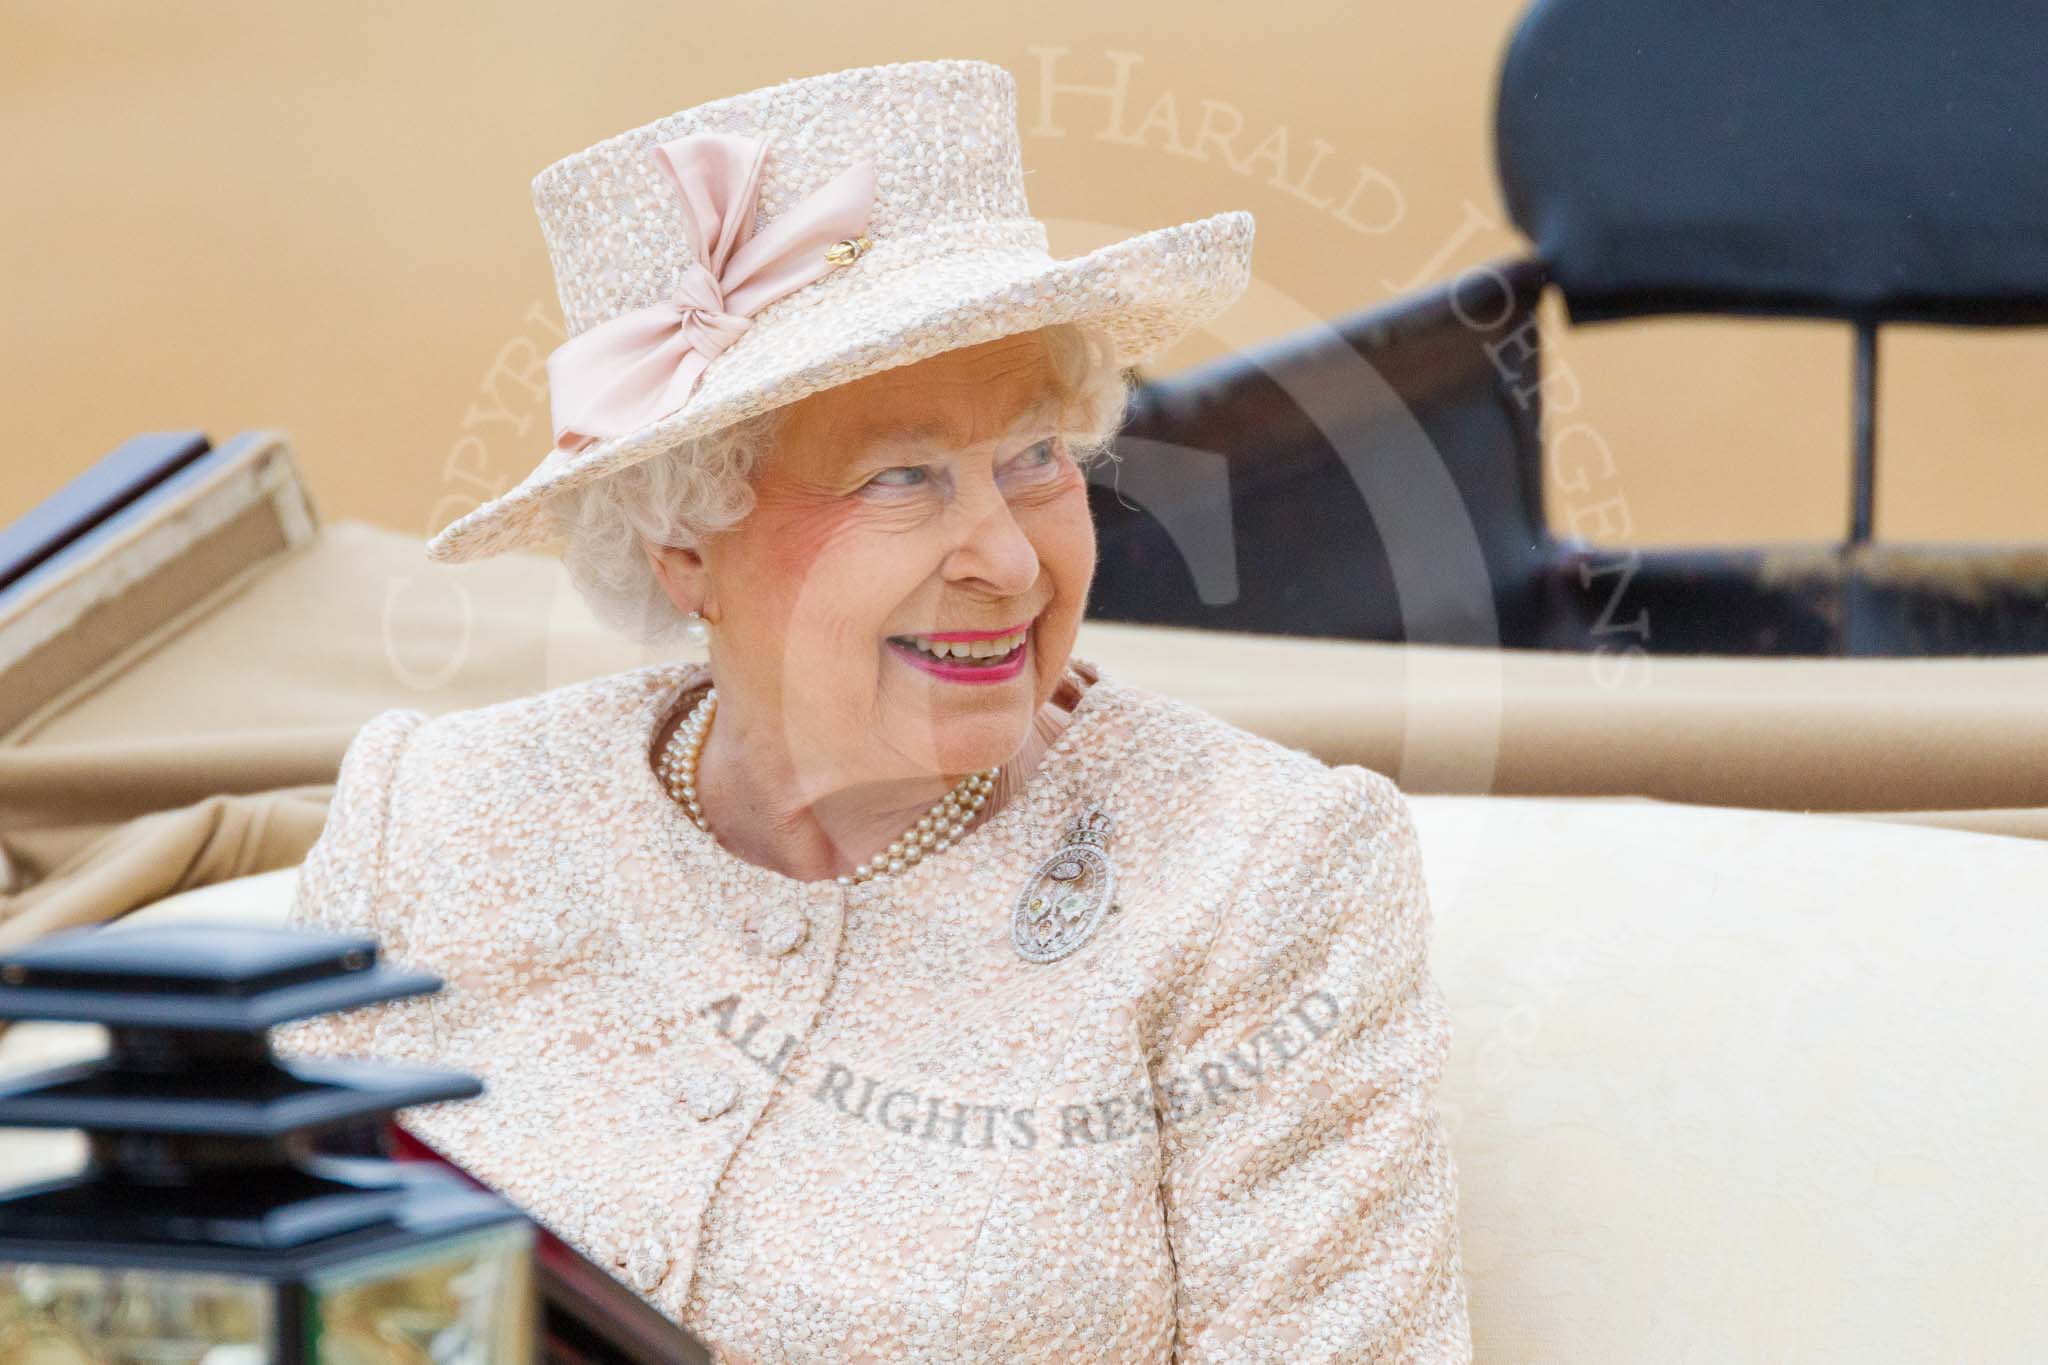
x: 934, y: 831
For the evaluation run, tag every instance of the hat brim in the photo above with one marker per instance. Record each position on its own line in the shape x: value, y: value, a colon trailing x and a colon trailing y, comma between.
x: 1145, y: 293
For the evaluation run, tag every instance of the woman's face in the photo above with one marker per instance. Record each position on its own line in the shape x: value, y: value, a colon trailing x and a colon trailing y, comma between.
x: 902, y: 520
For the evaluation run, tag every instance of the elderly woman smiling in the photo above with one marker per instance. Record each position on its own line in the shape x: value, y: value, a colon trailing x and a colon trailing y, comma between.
x: 895, y: 985
x: 894, y: 570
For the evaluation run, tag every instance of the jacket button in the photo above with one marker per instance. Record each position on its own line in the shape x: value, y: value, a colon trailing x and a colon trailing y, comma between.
x: 784, y: 932
x: 646, y: 1264
x: 708, y: 1094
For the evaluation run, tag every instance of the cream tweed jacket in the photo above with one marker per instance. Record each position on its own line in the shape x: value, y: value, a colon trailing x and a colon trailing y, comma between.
x: 826, y: 1123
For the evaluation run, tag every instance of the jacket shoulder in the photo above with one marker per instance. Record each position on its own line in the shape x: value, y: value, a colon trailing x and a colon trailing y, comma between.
x: 579, y: 722
x: 556, y: 748
x: 1173, y: 745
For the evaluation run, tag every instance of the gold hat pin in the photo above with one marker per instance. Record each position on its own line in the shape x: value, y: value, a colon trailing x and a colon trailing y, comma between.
x: 848, y: 251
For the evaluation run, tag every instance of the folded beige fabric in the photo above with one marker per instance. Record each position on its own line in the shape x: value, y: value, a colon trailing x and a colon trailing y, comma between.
x: 153, y: 856
x: 108, y: 799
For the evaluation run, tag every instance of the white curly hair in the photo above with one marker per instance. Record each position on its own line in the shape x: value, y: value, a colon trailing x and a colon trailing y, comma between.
x: 704, y: 486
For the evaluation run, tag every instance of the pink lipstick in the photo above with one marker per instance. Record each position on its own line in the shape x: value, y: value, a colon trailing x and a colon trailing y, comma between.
x: 943, y: 654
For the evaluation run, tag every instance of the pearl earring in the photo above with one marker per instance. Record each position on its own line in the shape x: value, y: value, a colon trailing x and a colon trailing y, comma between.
x: 696, y: 629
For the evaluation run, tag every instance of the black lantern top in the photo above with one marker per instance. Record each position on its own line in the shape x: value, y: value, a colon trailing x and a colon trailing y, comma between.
x: 233, y: 977
x: 197, y: 1132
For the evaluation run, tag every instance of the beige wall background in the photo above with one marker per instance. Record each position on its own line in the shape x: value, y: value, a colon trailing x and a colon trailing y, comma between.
x: 316, y: 218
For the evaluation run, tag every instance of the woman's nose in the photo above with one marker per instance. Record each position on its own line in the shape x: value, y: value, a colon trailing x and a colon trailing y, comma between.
x: 995, y: 551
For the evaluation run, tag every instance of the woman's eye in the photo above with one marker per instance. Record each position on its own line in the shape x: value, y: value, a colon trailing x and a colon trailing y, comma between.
x: 1040, y: 456
x: 901, y: 476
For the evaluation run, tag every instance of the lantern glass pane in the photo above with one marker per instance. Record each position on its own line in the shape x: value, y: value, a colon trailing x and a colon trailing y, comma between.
x: 102, y: 1315
x: 467, y: 1300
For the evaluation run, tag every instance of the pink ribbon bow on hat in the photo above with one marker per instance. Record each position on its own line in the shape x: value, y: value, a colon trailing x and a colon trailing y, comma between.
x: 620, y: 375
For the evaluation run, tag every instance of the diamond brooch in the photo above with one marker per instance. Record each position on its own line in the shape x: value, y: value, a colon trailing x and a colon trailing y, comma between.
x: 1069, y: 894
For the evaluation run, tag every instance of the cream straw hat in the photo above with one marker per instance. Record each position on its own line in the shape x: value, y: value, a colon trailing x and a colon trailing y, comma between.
x: 743, y: 254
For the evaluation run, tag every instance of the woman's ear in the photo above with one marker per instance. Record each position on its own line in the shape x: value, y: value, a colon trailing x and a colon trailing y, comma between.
x: 683, y: 577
